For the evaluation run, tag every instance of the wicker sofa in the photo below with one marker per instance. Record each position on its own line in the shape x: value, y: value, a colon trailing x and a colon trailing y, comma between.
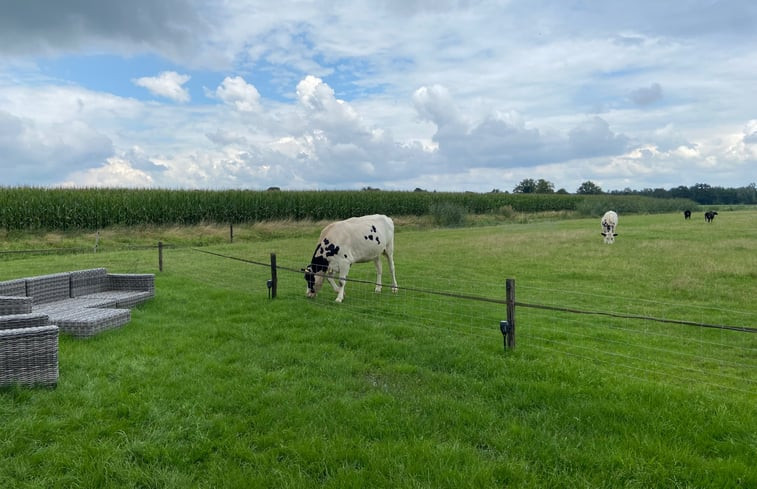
x: 81, y: 303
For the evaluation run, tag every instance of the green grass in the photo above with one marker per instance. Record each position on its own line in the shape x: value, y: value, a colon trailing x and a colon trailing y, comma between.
x: 214, y: 385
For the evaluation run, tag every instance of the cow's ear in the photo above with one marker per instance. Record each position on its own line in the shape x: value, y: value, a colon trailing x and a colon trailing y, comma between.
x: 603, y: 234
x: 614, y: 234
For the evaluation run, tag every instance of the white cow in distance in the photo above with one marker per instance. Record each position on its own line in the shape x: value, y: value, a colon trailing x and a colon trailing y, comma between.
x: 342, y: 243
x: 609, y: 222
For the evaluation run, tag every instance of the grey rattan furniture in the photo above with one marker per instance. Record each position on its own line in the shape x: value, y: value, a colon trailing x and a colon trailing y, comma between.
x: 81, y: 303
x: 126, y: 290
x: 28, y: 350
x: 15, y: 305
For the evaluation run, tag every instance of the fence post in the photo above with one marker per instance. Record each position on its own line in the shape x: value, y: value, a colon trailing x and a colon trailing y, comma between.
x: 231, y: 232
x: 274, y: 277
x: 160, y: 256
x: 510, y: 291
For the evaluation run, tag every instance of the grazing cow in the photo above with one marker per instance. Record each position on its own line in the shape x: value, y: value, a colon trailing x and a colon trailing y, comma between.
x: 687, y: 214
x: 609, y: 221
x: 342, y: 243
x: 709, y: 216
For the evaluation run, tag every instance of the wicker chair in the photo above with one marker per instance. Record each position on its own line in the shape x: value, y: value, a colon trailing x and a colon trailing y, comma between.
x: 28, y: 350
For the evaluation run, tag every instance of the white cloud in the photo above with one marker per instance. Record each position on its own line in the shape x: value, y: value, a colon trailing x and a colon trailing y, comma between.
x: 167, y: 84
x: 30, y: 149
x: 436, y: 105
x: 318, y: 99
x: 750, y: 132
x: 115, y: 173
x: 224, y: 137
x: 449, y: 94
x: 236, y: 92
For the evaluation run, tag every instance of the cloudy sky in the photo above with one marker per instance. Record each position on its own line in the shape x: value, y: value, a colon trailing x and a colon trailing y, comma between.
x: 396, y: 94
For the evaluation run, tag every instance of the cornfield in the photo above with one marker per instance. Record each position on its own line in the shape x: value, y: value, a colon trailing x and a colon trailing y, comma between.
x: 33, y: 208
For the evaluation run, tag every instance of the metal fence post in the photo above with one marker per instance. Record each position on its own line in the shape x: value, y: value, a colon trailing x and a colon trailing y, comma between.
x: 160, y: 256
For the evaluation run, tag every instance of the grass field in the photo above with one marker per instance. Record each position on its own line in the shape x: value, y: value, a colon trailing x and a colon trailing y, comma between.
x: 212, y: 384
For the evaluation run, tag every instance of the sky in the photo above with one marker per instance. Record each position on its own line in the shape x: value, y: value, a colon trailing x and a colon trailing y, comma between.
x: 445, y: 95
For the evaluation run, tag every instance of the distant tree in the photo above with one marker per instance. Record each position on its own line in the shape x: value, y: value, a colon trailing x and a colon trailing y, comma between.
x: 562, y: 191
x: 545, y: 187
x: 680, y: 192
x: 589, y: 188
x: 526, y: 186
x: 748, y: 194
x: 702, y: 193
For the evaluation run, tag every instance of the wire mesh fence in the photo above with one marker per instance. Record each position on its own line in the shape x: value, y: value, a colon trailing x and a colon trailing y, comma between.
x: 710, y: 346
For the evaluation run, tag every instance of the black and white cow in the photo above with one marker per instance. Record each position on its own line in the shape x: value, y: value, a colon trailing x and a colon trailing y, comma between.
x: 709, y: 216
x: 687, y: 214
x: 609, y: 221
x: 354, y: 240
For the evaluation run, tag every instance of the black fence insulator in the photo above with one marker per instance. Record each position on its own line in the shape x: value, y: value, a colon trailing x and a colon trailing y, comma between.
x: 504, y: 327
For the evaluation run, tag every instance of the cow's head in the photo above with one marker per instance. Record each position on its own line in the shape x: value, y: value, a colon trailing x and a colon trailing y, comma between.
x: 314, y: 274
x: 609, y: 237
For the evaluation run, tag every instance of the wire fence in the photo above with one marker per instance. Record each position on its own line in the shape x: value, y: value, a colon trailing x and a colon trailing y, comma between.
x: 711, y: 346
x: 640, y: 345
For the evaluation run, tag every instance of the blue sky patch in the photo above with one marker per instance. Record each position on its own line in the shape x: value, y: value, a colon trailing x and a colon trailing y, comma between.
x: 115, y: 74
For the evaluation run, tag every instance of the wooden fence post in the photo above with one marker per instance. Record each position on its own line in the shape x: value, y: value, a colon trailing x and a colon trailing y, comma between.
x: 231, y: 232
x: 510, y: 291
x: 274, y: 278
x: 160, y: 256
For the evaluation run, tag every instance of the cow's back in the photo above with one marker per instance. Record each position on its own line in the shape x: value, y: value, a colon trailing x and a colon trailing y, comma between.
x: 610, y: 218
x: 361, y: 238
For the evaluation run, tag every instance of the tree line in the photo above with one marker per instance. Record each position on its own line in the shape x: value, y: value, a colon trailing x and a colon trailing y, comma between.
x: 700, y: 193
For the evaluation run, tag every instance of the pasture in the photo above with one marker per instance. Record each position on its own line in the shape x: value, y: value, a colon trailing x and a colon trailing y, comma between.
x: 213, y: 384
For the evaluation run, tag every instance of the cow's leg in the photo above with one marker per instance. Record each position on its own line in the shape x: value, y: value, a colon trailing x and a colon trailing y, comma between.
x: 330, y: 276
x: 390, y: 258
x: 334, y: 284
x: 377, y: 262
x: 344, y: 270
